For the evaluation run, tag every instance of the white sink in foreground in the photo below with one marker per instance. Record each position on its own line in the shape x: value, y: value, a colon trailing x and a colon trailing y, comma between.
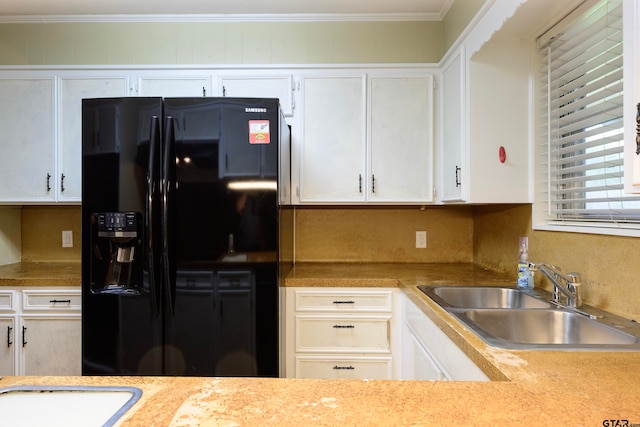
x: 67, y: 406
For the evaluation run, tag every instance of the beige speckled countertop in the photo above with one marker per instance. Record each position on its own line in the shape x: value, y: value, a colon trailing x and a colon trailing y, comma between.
x: 41, y: 274
x: 531, y: 387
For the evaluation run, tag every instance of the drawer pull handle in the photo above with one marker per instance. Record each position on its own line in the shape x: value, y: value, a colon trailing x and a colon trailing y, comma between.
x: 344, y: 302
x: 347, y: 368
x: 24, y: 336
x: 9, y: 342
x: 343, y: 326
x: 60, y: 301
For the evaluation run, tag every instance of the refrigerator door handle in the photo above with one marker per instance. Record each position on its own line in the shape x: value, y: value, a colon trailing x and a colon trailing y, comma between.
x: 151, y: 219
x: 167, y: 188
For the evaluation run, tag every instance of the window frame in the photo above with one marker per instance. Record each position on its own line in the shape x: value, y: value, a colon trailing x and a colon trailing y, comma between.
x: 542, y: 219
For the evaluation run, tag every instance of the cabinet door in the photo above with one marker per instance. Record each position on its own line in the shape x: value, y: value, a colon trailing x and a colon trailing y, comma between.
x: 7, y: 346
x: 452, y: 128
x: 401, y: 136
x: 27, y: 140
x: 333, y: 143
x: 421, y: 364
x: 51, y: 345
x: 280, y: 87
x: 72, y: 91
x: 175, y: 87
x: 437, y: 348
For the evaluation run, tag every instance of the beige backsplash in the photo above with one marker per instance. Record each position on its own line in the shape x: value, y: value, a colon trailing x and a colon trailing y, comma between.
x: 42, y: 233
x: 486, y: 235
x: 383, y: 234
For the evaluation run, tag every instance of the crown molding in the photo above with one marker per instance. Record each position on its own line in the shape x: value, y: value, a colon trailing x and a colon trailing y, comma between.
x: 221, y: 18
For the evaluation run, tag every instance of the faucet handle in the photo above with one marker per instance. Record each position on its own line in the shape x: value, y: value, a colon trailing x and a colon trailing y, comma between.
x: 575, y: 286
x: 574, y: 277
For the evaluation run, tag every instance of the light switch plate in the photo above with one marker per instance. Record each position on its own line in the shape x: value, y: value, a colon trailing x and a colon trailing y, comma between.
x: 421, y: 239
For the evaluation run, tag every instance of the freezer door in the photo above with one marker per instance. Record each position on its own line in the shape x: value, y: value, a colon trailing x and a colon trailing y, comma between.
x: 121, y: 331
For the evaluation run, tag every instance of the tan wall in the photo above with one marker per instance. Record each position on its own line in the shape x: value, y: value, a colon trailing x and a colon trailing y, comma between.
x: 221, y: 43
x: 42, y: 233
x: 608, y: 264
x: 456, y: 20
x: 385, y: 234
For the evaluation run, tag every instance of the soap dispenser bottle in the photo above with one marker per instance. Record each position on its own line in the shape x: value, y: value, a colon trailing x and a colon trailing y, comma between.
x: 525, y: 278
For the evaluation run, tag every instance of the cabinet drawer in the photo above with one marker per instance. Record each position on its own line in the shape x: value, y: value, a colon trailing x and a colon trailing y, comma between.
x: 343, y: 300
x: 375, y: 368
x: 345, y: 334
x: 52, y: 300
x: 7, y: 299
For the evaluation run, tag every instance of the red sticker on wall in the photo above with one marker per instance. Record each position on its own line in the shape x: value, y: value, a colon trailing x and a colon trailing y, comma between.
x: 502, y: 154
x: 259, y: 132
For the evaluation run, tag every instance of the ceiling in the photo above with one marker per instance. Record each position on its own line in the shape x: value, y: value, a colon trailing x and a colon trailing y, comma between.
x: 424, y: 9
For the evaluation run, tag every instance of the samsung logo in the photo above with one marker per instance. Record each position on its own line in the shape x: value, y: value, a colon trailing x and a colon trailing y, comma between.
x: 254, y: 110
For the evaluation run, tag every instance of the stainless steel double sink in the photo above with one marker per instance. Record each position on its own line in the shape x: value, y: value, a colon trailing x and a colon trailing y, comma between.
x: 525, y: 320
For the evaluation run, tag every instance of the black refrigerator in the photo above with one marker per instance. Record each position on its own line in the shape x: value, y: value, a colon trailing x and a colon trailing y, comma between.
x: 186, y: 232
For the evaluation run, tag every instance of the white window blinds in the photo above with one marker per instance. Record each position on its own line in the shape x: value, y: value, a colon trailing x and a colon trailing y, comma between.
x: 582, y: 144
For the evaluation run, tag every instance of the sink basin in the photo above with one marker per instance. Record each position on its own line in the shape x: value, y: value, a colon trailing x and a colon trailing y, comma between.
x: 544, y: 328
x: 65, y: 405
x: 482, y: 297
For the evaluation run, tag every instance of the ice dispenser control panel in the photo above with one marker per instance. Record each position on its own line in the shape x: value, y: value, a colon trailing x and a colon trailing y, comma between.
x: 117, y: 224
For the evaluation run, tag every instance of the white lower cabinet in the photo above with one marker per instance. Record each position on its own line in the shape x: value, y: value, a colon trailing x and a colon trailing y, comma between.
x: 42, y: 328
x: 366, y: 333
x: 427, y: 352
x: 339, y: 333
x: 7, y: 332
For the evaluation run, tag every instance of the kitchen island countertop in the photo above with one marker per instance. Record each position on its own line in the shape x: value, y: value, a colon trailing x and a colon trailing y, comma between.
x: 529, y: 388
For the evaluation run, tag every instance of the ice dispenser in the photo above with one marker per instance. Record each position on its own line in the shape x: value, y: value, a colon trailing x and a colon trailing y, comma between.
x: 116, y: 259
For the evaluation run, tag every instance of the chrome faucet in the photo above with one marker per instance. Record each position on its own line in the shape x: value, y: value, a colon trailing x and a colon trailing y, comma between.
x: 570, y: 285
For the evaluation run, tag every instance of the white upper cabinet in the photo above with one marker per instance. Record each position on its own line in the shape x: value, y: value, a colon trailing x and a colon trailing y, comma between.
x: 260, y: 86
x: 452, y: 127
x: 366, y: 139
x: 174, y: 85
x: 485, y: 125
x: 27, y: 163
x: 497, y: 141
x: 72, y: 91
x: 332, y: 158
x: 400, y: 139
x: 631, y: 46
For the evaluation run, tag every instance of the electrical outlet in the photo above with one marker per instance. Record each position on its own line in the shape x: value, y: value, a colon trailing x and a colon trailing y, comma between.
x: 421, y: 239
x: 67, y: 239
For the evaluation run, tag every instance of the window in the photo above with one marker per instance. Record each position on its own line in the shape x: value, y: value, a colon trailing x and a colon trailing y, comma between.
x: 581, y: 182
